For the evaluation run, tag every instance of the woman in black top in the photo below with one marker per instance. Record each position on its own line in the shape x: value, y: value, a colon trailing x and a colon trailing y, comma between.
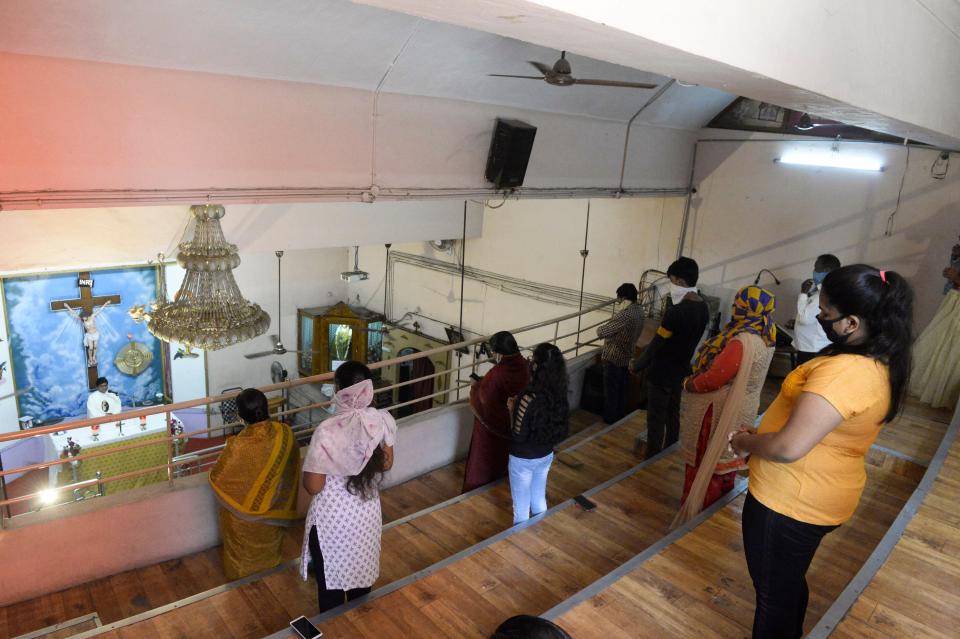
x: 539, y: 420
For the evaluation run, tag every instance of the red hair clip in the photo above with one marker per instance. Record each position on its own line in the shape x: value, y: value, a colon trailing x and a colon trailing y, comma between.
x: 883, y: 277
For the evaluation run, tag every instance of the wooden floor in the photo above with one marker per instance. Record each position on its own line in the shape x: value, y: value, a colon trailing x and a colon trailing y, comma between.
x: 916, y: 593
x: 697, y: 585
x: 137, y: 591
x: 529, y: 571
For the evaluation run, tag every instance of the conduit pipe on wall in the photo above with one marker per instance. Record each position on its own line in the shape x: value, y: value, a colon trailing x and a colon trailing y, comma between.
x: 626, y: 141
x: 27, y: 200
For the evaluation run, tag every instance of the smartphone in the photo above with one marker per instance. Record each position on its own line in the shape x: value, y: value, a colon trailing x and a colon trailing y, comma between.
x: 303, y: 627
x: 584, y: 503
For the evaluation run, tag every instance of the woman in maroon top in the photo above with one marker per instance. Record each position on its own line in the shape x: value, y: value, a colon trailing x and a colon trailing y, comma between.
x: 487, y: 459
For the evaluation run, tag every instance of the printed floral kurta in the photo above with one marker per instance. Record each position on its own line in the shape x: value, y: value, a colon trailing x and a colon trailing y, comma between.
x: 348, y: 529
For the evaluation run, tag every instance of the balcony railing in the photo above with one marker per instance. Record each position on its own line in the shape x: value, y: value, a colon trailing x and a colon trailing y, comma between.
x: 571, y: 342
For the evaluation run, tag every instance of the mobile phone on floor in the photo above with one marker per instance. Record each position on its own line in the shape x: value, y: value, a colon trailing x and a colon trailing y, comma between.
x: 303, y: 627
x: 584, y: 503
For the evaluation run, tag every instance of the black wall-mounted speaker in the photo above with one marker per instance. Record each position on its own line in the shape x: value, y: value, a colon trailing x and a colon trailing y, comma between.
x: 509, y: 153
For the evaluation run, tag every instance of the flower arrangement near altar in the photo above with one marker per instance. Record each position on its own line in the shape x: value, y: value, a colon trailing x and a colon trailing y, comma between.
x: 72, y: 449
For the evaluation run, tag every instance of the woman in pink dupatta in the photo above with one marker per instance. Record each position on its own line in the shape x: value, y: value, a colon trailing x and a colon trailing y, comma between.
x: 348, y: 454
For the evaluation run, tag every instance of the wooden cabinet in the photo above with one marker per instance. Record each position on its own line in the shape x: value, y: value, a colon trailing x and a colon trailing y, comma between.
x: 327, y: 336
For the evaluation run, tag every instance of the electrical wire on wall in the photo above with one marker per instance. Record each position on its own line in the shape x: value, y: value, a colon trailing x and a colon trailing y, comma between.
x: 896, y: 208
x: 583, y: 274
x: 463, y: 264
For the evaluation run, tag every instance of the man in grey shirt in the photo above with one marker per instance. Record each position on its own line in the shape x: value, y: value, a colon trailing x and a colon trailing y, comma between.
x: 620, y: 337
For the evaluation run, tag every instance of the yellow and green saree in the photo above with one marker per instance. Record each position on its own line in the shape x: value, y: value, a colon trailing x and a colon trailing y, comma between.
x: 255, y: 481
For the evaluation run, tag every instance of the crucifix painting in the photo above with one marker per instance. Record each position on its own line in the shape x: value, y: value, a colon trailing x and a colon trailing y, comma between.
x: 85, y: 310
x: 67, y: 329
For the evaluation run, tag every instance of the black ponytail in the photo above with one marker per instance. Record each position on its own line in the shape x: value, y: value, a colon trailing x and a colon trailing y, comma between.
x: 883, y: 300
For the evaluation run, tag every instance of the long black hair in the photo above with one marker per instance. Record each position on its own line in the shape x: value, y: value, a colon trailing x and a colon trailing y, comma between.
x: 883, y: 300
x: 365, y: 483
x: 550, y: 409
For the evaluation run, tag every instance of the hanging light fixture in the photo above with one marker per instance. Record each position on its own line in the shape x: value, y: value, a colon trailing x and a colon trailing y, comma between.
x: 208, y: 311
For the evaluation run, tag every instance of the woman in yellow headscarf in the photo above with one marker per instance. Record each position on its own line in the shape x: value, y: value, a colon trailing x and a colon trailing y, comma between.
x: 255, y: 481
x: 722, y: 394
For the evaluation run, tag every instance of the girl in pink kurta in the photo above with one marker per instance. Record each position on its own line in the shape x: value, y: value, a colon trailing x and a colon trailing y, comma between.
x: 347, y: 457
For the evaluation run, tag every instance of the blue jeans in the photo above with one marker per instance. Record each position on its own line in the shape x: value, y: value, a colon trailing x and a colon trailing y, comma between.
x: 528, y: 485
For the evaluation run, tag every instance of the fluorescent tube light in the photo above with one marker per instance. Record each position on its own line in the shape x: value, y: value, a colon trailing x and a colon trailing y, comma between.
x: 832, y: 159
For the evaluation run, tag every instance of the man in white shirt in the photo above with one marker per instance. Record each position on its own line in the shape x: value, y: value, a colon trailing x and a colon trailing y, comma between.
x: 810, y: 338
x: 101, y: 401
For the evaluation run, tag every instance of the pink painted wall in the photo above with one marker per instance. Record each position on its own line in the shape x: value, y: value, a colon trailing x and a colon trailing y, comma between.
x: 68, y: 124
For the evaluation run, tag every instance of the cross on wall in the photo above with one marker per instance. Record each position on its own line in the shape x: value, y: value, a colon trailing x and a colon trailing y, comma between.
x: 86, y: 303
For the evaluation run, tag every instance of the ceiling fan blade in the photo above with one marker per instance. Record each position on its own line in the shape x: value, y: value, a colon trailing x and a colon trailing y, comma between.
x: 260, y: 354
x: 541, y: 67
x: 524, y: 77
x: 615, y: 83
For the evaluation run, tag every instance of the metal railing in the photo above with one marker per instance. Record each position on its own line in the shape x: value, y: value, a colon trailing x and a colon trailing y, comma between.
x: 177, y: 464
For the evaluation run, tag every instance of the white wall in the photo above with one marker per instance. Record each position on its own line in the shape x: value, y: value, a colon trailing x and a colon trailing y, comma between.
x: 752, y: 213
x: 310, y: 278
x: 538, y: 241
x: 72, y: 238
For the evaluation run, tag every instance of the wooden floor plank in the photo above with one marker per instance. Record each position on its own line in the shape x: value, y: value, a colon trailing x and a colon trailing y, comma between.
x: 699, y: 586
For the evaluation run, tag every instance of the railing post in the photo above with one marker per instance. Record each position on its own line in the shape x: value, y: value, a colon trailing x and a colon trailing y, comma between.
x: 100, y: 489
x: 169, y: 450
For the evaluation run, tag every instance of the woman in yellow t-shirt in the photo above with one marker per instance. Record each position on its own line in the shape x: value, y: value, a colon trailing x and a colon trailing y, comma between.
x: 806, y: 459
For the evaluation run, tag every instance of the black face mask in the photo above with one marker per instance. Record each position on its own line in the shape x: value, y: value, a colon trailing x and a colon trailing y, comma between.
x: 828, y: 330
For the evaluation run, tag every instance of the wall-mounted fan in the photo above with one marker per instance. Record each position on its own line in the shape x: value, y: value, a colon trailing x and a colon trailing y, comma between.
x: 277, y: 373
x: 560, y: 75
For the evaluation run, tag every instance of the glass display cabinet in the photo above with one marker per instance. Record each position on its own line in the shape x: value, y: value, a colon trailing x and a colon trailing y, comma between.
x: 327, y: 336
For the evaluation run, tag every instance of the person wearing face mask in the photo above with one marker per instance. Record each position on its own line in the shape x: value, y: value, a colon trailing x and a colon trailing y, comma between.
x: 255, y: 483
x: 810, y: 338
x: 620, y: 337
x: 667, y: 358
x: 807, y: 457
x: 487, y: 457
x: 539, y: 420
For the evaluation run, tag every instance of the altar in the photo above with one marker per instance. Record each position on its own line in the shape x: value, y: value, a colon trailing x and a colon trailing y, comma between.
x: 111, y: 465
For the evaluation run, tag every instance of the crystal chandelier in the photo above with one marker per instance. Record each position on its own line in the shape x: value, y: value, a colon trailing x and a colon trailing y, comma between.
x: 208, y: 311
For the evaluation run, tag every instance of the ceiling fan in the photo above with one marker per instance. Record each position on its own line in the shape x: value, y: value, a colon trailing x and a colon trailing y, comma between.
x: 278, y: 347
x: 560, y: 75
